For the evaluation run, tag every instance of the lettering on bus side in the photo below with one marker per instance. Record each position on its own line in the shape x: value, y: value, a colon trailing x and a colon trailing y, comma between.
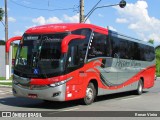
x: 127, y: 63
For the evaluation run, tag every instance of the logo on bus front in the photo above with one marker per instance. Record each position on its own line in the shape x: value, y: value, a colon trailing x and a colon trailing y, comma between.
x: 36, y: 71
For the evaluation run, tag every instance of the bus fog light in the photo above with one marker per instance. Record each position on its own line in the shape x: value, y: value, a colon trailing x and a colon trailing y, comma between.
x: 56, y: 94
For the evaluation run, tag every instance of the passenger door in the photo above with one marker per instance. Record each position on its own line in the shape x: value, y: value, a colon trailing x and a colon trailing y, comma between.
x: 75, y: 60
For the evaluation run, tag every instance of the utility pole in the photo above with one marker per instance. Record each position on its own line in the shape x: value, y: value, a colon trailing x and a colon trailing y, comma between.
x: 6, y: 38
x: 81, y: 11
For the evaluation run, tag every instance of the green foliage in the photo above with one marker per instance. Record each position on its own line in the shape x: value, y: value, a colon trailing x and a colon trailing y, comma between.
x: 151, y: 41
x: 14, y: 52
x: 1, y: 14
x: 3, y: 78
x: 158, y: 61
x: 2, y: 42
x: 6, y: 83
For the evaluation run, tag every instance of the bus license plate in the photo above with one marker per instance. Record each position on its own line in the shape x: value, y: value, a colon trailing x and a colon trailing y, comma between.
x: 32, y: 95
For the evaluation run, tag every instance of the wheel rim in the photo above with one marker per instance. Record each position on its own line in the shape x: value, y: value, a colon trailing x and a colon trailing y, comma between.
x: 89, y: 94
x: 140, y: 88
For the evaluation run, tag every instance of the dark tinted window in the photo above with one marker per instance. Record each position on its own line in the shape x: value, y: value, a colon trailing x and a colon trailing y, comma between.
x: 41, y: 53
x: 86, y: 32
x: 120, y: 48
x: 83, y: 43
x: 146, y: 52
x: 99, y: 46
x: 75, y: 57
x: 126, y: 49
x: 136, y: 52
x: 130, y: 48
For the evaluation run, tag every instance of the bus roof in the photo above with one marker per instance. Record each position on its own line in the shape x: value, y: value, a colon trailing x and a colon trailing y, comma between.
x: 66, y: 27
x: 63, y: 27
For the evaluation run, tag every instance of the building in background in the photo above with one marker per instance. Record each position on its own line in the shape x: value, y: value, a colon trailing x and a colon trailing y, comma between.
x: 2, y: 61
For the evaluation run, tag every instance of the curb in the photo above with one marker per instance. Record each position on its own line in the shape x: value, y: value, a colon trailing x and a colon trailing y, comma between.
x: 7, y: 86
x: 5, y: 81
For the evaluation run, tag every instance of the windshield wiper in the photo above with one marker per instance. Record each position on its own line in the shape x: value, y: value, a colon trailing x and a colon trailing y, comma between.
x: 37, y: 68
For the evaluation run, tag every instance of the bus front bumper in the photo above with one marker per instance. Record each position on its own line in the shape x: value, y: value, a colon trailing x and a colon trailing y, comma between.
x: 49, y: 93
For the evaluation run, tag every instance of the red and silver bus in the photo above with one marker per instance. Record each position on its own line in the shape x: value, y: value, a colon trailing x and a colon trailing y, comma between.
x: 62, y: 62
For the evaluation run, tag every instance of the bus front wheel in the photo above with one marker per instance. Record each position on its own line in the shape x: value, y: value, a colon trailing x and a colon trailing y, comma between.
x: 90, y: 94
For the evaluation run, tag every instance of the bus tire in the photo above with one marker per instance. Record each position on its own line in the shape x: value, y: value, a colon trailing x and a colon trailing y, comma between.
x: 139, y: 90
x: 90, y: 94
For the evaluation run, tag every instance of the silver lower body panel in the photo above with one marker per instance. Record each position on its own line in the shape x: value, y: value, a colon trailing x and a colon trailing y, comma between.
x: 44, y: 94
x: 130, y: 87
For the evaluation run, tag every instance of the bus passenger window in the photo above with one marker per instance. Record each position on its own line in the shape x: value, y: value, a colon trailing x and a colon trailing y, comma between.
x: 99, y: 46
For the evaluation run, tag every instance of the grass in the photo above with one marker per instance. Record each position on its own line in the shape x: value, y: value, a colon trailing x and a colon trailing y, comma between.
x: 4, y: 78
x: 158, y: 75
x: 6, y: 83
x: 14, y: 52
x: 158, y: 62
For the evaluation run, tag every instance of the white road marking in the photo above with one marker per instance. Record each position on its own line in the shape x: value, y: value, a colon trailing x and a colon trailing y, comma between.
x: 71, y: 109
x: 64, y: 110
x: 8, y: 92
x: 130, y: 98
x: 1, y: 91
x: 5, y: 92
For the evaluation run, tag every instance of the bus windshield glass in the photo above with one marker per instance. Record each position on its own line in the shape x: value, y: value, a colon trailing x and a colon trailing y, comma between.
x: 40, y: 56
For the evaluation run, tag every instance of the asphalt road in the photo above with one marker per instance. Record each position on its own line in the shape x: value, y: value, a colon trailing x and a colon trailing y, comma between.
x: 128, y: 101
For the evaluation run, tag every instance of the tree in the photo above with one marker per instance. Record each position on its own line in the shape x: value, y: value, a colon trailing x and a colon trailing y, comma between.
x: 158, y: 60
x: 151, y: 41
x: 1, y: 14
x: 2, y: 42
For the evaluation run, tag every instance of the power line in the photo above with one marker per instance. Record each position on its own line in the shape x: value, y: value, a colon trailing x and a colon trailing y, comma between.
x: 83, y: 17
x: 61, y: 9
x: 93, y: 8
x: 90, y: 13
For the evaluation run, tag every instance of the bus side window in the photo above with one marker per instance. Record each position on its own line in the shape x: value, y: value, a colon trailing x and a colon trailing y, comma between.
x: 99, y: 46
x: 121, y: 48
x: 73, y: 56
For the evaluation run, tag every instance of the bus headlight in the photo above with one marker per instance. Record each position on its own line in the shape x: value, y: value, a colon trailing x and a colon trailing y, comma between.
x: 60, y: 83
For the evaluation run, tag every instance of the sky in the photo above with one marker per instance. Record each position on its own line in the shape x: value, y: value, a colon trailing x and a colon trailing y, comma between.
x: 139, y: 19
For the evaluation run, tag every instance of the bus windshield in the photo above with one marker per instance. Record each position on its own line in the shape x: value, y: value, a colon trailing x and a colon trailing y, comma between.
x: 40, y: 56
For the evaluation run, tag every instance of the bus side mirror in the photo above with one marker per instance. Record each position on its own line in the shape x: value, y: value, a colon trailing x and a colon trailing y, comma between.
x: 8, y: 43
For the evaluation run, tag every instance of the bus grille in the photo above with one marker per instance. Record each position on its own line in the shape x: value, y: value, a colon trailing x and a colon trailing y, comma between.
x: 33, y: 87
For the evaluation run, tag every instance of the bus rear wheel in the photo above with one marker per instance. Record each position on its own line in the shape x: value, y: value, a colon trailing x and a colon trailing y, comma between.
x: 139, y: 90
x: 90, y: 94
